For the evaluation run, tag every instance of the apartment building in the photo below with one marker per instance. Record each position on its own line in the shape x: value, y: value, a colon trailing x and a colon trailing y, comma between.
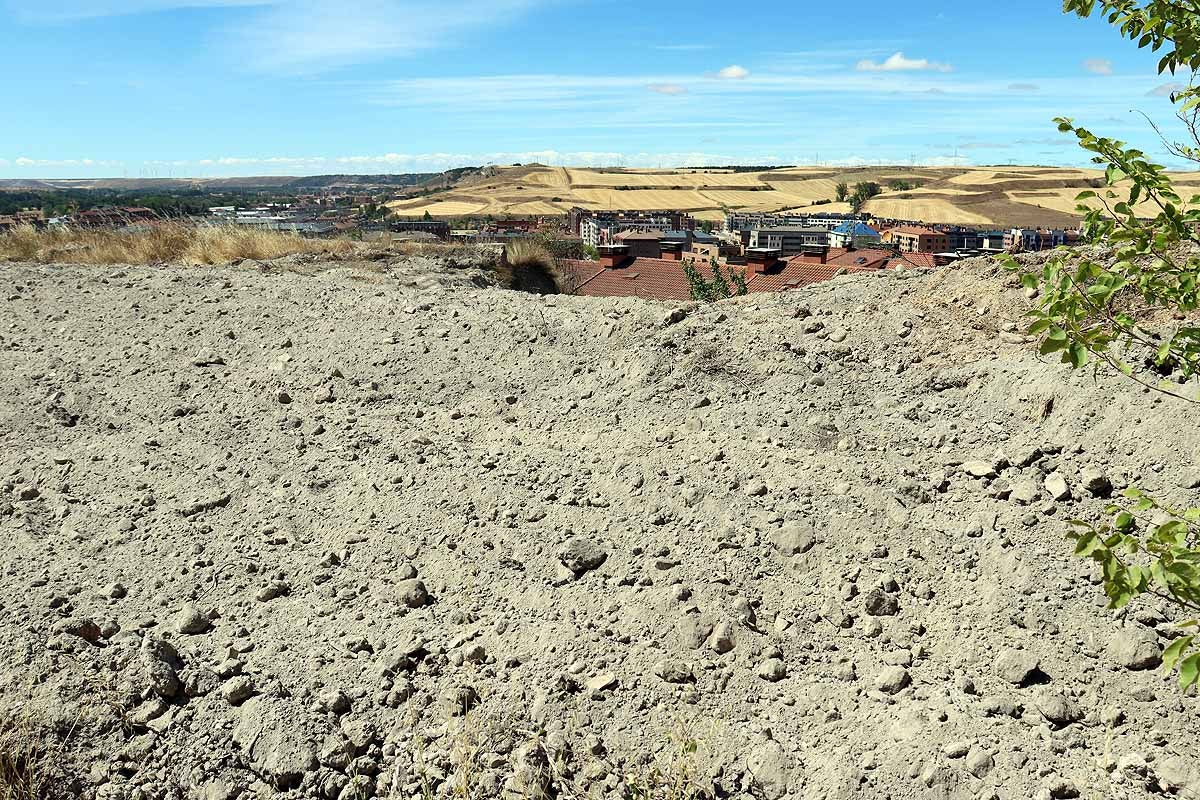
x: 914, y: 239
x: 854, y: 234
x: 744, y: 221
x: 1029, y: 239
x: 597, y: 228
x: 789, y: 241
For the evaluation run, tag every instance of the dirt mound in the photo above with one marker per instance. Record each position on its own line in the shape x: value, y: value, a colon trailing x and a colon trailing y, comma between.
x: 351, y: 532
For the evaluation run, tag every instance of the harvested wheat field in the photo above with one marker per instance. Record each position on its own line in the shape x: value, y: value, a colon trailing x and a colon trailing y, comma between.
x: 351, y: 529
x: 993, y: 196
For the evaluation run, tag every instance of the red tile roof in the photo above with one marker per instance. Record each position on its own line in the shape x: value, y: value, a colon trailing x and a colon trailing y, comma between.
x: 796, y: 275
x: 664, y: 279
x: 649, y: 278
x: 913, y: 261
x: 916, y: 230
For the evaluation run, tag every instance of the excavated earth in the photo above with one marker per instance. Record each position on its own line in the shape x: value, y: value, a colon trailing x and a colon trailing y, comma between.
x: 383, y: 530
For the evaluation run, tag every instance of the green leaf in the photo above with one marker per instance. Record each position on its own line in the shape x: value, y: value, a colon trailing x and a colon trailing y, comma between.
x: 1076, y: 355
x: 1189, y: 671
x: 1172, y: 655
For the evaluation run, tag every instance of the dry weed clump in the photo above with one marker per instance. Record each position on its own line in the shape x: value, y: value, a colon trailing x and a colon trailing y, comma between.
x: 531, y: 267
x: 161, y: 243
x: 27, y: 762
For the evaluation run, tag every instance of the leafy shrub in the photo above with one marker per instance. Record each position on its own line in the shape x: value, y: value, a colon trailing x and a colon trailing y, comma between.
x: 1133, y: 313
x: 722, y: 285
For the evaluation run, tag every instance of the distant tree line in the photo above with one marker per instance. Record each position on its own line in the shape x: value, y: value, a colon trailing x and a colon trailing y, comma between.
x: 59, y: 202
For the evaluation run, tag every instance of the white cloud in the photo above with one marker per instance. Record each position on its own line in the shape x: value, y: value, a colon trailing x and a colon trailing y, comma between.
x: 898, y: 62
x: 23, y: 161
x: 1166, y: 90
x: 733, y: 72
x: 313, y: 35
x: 1098, y: 66
x: 306, y: 36
x: 1022, y: 87
x: 667, y: 88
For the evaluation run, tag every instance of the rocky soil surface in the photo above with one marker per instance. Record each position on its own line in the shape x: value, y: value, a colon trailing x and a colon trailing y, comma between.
x: 381, y: 530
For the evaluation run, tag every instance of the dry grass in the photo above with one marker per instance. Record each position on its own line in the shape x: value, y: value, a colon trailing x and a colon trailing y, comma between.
x: 163, y: 243
x: 27, y: 762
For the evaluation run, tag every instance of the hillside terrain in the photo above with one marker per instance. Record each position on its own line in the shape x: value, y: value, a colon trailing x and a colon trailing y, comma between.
x: 1002, y: 196
x: 340, y: 529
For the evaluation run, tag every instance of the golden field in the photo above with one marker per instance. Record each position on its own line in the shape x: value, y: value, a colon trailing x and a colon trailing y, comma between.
x: 1000, y: 196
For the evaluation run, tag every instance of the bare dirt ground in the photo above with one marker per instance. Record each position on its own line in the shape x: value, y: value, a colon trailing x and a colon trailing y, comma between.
x: 383, y: 530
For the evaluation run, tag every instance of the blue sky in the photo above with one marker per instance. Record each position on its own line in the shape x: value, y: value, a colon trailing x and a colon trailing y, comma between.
x: 253, y: 87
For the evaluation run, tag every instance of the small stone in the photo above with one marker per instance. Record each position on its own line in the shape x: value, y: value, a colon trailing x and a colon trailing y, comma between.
x: 1024, y: 492
x: 581, y: 555
x: 82, y: 627
x: 1095, y: 482
x: 979, y: 762
x: 460, y: 699
x: 879, y: 603
x: 721, y: 640
x: 979, y: 469
x: 794, y: 540
x: 412, y: 593
x: 957, y: 749
x: 1056, y: 707
x: 674, y: 671
x: 772, y: 670
x: 1056, y: 487
x: 272, y: 590
x: 237, y: 690
x: 282, y: 397
x: 892, y: 680
x: 1017, y: 667
x: 603, y: 681
x: 769, y: 766
x: 191, y: 621
x: 755, y: 489
x: 207, y: 357
x: 324, y: 394
x: 1135, y: 648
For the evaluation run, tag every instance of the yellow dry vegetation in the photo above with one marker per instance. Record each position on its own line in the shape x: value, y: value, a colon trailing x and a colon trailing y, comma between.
x: 441, y: 208
x: 644, y: 199
x: 163, y: 243
x: 635, y: 178
x: 976, y: 196
x: 925, y: 211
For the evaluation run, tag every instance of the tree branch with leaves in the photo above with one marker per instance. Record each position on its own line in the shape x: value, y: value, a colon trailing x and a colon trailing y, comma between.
x: 1133, y: 307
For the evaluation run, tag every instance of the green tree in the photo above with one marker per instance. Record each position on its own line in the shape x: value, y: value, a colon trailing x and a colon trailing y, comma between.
x: 842, y: 192
x: 1102, y: 312
x: 723, y: 284
x: 427, y: 217
x: 862, y: 193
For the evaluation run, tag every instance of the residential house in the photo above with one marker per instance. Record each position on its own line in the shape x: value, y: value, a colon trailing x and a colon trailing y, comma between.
x: 915, y: 239
x: 854, y: 234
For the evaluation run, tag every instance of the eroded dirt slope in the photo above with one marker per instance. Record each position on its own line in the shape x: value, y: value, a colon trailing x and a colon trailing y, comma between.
x: 350, y: 534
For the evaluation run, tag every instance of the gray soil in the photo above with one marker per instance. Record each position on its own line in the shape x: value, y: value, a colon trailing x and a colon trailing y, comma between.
x: 383, y: 530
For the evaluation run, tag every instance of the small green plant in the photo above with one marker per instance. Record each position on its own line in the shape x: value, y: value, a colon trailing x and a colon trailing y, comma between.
x: 719, y: 287
x: 1157, y: 555
x: 677, y: 779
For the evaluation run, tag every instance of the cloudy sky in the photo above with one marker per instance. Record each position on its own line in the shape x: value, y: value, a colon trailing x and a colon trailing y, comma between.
x: 238, y: 87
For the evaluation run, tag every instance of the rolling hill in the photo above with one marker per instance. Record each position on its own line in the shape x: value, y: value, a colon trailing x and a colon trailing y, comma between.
x: 1001, y: 196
